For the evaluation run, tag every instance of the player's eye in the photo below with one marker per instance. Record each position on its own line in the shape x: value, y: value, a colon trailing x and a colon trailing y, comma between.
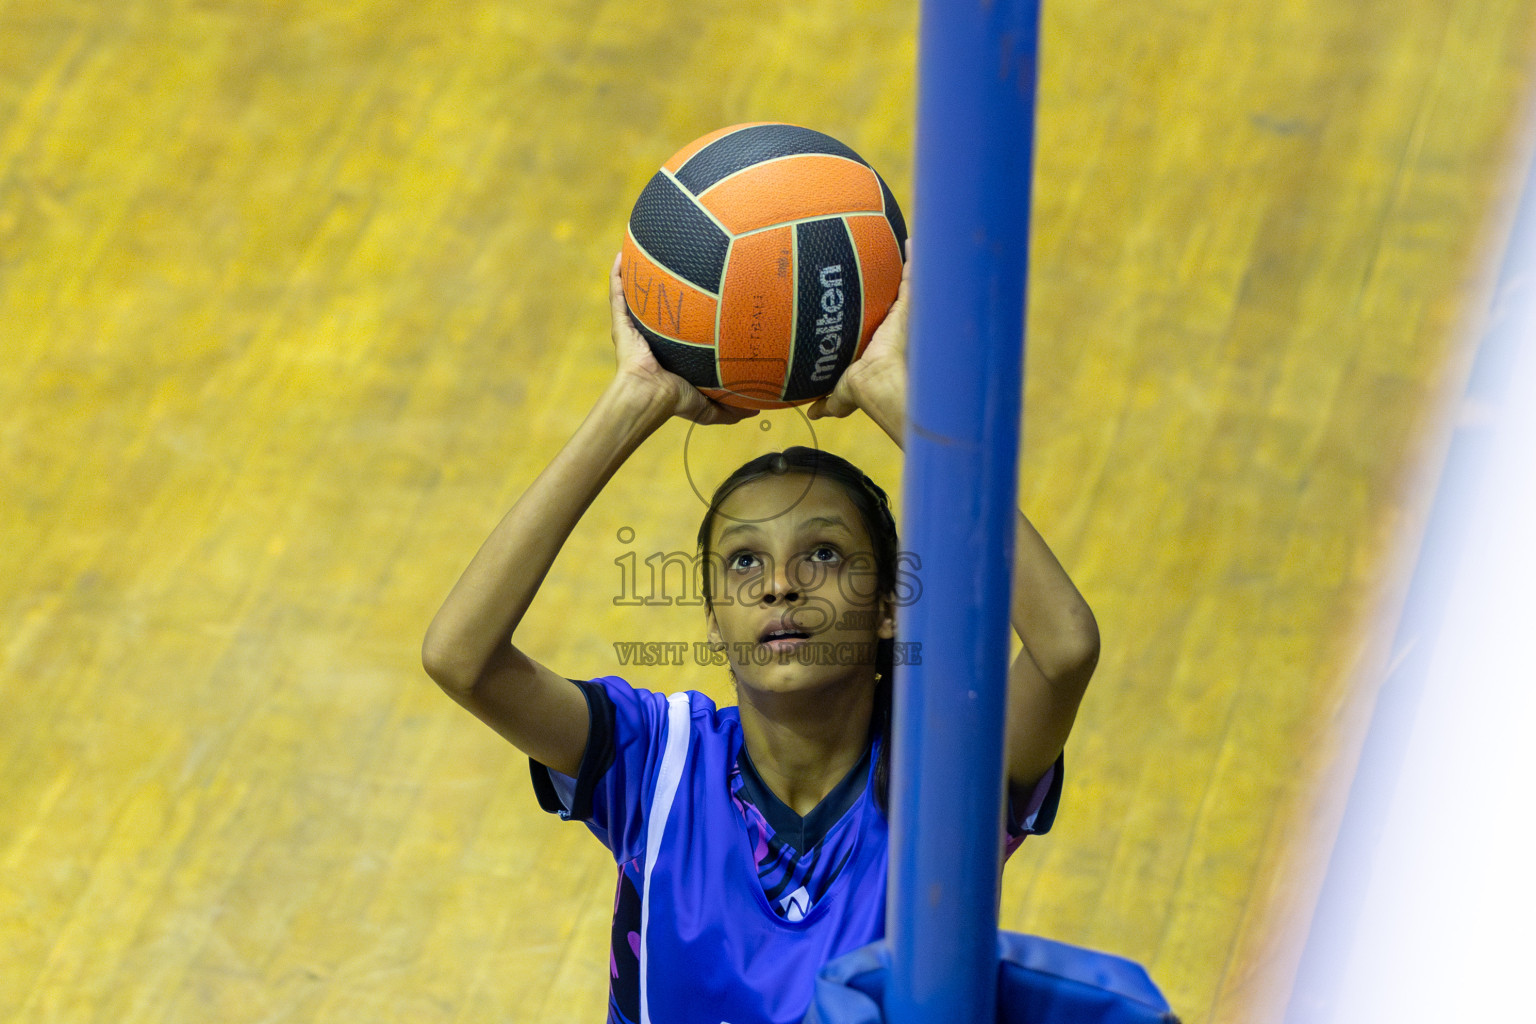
x: 743, y: 561
x: 825, y: 553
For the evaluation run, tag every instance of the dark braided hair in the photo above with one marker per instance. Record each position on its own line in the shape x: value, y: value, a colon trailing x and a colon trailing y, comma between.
x: 874, y: 510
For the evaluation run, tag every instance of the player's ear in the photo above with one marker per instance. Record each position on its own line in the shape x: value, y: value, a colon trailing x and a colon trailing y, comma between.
x: 712, y: 626
x: 886, y: 626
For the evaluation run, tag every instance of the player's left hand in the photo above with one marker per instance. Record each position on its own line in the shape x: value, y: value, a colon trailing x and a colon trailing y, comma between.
x: 879, y: 374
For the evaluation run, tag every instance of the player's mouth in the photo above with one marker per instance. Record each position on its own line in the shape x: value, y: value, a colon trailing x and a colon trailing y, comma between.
x: 783, y: 636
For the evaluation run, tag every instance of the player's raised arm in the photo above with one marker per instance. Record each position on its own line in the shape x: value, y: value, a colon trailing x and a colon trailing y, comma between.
x: 1051, y: 672
x: 468, y: 649
x: 1059, y: 633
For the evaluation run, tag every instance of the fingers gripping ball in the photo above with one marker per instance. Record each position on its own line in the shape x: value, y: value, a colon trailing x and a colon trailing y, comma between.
x: 759, y: 260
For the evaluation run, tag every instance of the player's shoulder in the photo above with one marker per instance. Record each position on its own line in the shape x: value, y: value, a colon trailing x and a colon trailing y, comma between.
x: 704, y: 713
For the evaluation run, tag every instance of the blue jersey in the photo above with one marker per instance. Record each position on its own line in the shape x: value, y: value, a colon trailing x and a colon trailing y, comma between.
x: 728, y: 902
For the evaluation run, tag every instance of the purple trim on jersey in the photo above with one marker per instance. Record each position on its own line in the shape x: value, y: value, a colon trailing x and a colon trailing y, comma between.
x: 798, y: 858
x: 1032, y: 811
x: 716, y: 948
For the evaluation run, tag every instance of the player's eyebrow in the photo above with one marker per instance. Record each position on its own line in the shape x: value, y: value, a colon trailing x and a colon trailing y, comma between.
x: 731, y: 530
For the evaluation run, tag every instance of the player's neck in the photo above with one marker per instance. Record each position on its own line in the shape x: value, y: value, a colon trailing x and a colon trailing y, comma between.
x: 802, y: 751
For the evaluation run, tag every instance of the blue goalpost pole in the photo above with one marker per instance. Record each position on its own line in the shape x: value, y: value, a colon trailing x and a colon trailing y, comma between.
x: 975, y: 135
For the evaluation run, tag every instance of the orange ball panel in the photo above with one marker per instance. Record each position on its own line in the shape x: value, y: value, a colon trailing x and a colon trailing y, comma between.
x: 747, y: 399
x: 665, y: 302
x: 757, y: 310
x: 879, y: 269
x: 793, y: 188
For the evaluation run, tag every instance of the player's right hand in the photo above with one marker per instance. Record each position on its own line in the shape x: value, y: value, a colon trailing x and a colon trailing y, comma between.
x: 638, y: 368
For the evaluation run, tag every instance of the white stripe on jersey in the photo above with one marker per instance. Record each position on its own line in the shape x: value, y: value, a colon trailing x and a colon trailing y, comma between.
x: 667, y: 777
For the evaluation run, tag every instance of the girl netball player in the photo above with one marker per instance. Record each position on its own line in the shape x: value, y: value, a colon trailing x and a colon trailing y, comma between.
x: 751, y: 840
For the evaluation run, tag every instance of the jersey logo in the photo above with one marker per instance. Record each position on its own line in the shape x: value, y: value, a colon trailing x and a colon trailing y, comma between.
x: 795, y: 904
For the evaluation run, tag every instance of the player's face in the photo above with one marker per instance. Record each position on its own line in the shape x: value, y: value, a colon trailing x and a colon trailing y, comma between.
x: 795, y: 597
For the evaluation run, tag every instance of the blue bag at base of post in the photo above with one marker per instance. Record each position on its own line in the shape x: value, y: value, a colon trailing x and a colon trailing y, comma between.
x: 1039, y: 982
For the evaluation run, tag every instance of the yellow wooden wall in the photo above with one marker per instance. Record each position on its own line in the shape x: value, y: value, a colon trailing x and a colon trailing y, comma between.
x: 296, y: 296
